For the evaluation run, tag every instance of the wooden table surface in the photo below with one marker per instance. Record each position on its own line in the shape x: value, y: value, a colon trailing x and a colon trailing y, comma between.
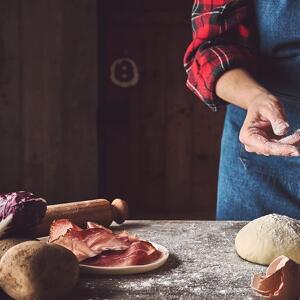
x: 202, y: 265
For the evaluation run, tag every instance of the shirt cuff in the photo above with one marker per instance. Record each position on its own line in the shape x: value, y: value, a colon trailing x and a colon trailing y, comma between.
x: 210, y: 64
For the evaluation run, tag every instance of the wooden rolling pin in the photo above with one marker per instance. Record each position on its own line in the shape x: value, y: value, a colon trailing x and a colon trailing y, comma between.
x: 100, y: 211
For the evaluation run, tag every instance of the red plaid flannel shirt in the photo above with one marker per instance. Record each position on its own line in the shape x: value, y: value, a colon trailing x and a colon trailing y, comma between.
x: 222, y: 40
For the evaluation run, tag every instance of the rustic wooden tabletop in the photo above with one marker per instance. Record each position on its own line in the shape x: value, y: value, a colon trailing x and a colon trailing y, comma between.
x: 202, y: 265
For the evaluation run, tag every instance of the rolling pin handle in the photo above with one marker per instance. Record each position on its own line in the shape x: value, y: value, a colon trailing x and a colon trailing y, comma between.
x: 120, y: 210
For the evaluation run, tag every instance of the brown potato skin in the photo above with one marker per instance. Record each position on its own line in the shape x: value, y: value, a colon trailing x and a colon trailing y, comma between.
x: 6, y: 244
x: 36, y: 270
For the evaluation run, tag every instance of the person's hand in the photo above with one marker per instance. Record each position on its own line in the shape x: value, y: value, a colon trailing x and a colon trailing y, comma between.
x: 264, y: 127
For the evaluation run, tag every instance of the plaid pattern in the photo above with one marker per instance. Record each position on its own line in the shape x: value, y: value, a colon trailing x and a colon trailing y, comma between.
x: 222, y: 40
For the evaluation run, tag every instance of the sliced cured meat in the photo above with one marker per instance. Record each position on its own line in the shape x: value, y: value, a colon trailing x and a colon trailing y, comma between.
x: 95, y: 225
x: 60, y: 227
x: 98, y: 245
x: 139, y: 253
x: 73, y: 241
x: 99, y: 239
x: 126, y: 236
x: 89, y: 242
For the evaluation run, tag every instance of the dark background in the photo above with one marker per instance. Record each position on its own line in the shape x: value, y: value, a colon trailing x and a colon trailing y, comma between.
x: 67, y: 132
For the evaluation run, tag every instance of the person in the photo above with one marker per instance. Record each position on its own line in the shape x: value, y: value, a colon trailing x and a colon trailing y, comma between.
x: 246, y: 54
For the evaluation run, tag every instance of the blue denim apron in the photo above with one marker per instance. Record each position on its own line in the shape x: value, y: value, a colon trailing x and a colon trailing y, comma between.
x: 252, y: 185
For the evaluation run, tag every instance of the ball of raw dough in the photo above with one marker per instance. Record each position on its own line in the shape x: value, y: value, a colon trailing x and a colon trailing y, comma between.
x: 38, y: 270
x: 265, y: 238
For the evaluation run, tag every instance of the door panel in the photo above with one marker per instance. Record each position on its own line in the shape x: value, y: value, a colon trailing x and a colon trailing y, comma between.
x: 160, y: 146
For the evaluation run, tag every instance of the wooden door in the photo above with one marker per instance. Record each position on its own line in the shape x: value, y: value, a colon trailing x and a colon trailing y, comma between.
x: 159, y: 145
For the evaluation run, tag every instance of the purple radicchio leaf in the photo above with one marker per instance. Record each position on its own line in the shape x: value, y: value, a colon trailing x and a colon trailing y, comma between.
x: 20, y: 213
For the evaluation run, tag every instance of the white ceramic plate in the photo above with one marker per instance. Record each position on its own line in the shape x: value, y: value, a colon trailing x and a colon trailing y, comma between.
x: 124, y: 270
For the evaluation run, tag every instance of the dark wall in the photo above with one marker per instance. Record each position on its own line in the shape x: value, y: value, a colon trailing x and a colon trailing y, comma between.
x: 160, y: 145
x: 49, y: 98
x: 69, y: 132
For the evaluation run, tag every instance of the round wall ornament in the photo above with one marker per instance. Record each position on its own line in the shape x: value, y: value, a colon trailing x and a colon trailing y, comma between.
x: 124, y: 72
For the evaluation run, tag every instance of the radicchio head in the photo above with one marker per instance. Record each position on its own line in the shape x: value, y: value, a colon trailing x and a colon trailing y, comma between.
x: 20, y: 213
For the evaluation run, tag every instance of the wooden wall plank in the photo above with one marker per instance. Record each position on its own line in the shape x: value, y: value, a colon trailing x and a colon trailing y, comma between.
x: 153, y: 113
x: 161, y: 149
x: 80, y: 99
x: 135, y: 143
x: 59, y: 88
x: 118, y: 166
x: 207, y: 131
x: 41, y: 85
x: 10, y: 104
x: 52, y: 85
x: 179, y: 126
x: 153, y: 118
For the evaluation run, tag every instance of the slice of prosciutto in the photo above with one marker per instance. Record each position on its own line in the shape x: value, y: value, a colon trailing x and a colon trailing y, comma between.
x: 98, y: 242
x: 86, y: 243
x: 60, y: 227
x: 139, y: 253
x: 123, y: 234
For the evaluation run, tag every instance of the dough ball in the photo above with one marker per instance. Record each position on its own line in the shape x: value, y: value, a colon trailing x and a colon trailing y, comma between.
x: 38, y: 270
x: 264, y: 239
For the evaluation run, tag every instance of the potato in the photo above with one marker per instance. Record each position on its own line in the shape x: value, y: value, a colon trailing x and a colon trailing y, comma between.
x: 5, y: 244
x: 36, y: 270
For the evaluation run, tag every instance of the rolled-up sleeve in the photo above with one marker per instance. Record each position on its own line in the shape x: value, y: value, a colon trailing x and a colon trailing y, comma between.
x: 223, y: 39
